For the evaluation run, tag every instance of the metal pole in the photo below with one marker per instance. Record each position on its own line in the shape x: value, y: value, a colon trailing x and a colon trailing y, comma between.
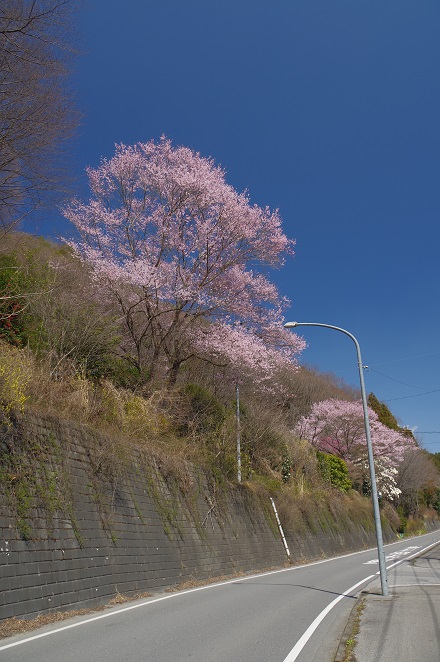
x: 237, y: 411
x: 374, y: 497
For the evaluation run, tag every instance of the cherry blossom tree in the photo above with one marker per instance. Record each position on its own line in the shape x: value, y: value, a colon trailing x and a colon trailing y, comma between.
x: 183, y: 254
x: 337, y: 426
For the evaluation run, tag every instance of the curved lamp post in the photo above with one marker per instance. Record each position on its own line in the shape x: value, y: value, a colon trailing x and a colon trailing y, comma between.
x: 374, y: 496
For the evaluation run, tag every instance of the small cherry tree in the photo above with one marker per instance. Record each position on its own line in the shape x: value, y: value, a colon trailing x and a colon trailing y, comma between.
x: 337, y: 426
x: 182, y: 253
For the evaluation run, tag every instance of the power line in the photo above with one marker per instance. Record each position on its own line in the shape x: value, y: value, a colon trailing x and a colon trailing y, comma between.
x: 397, y: 380
x: 416, y: 395
x: 404, y: 358
x: 407, y: 358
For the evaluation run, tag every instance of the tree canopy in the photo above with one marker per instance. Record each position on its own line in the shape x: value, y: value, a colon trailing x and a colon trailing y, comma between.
x: 185, y: 256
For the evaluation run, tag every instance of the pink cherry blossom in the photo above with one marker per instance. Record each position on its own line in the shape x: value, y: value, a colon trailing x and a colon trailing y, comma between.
x: 337, y: 426
x: 182, y: 253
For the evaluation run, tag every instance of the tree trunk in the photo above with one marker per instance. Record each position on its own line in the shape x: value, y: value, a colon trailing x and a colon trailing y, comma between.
x: 173, y: 373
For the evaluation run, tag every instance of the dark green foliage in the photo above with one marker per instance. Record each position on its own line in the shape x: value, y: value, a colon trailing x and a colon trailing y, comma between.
x: 120, y: 371
x: 436, y: 501
x: 383, y: 413
x: 334, y: 471
x: 403, y: 516
x: 386, y: 417
x: 11, y: 302
x: 82, y: 335
x: 54, y: 311
x: 430, y: 497
x: 25, y: 278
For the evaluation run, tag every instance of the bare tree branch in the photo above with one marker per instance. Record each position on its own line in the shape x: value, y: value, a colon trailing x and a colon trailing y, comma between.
x: 37, y: 116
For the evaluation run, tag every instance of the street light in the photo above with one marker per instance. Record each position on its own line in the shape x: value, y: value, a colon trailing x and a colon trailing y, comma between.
x: 374, y: 495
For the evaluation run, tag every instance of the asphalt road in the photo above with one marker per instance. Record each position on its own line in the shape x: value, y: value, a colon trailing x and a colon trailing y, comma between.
x: 297, y: 613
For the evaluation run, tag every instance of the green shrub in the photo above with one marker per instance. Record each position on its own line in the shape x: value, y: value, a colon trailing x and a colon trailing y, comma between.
x: 403, y: 520
x: 334, y: 470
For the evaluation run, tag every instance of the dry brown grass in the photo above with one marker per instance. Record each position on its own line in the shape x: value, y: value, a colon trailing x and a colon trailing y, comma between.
x: 26, y: 382
x: 13, y: 626
x: 118, y: 413
x: 195, y: 583
x: 122, y: 599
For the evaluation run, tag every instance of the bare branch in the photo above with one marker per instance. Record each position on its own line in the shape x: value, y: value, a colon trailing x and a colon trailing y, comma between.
x: 37, y: 117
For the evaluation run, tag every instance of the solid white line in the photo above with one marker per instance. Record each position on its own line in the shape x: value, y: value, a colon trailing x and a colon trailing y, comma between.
x: 296, y: 650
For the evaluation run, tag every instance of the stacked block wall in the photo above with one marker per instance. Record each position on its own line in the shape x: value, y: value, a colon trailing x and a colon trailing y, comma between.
x: 135, y: 531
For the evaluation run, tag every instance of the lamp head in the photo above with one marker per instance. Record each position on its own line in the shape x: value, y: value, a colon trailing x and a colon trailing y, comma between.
x: 290, y: 325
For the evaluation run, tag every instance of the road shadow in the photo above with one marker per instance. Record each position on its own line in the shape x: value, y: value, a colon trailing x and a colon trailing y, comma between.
x: 310, y: 588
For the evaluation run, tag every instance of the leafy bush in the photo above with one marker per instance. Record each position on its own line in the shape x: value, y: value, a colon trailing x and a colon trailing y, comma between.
x: 334, y: 470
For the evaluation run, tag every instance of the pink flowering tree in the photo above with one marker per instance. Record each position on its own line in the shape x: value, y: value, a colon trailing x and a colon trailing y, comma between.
x: 337, y: 426
x: 183, y: 255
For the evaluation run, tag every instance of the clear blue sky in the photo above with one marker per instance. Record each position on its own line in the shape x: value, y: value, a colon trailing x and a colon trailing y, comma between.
x: 329, y: 111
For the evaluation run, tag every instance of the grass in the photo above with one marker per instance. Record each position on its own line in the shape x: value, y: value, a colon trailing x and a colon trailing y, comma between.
x: 350, y: 642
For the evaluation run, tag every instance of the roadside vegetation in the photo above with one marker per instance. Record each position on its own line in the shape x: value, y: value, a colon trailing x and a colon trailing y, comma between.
x: 63, y: 351
x: 160, y: 303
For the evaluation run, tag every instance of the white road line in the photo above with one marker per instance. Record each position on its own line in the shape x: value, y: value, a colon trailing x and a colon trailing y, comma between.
x: 425, y: 549
x: 296, y: 650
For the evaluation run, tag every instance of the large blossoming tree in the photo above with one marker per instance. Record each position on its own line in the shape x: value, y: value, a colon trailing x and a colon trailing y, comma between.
x: 337, y: 427
x: 184, y: 256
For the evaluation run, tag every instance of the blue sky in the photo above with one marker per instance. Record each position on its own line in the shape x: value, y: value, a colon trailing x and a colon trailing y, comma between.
x: 329, y: 111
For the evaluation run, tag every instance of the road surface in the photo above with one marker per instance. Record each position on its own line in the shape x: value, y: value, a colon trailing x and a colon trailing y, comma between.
x: 296, y: 613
